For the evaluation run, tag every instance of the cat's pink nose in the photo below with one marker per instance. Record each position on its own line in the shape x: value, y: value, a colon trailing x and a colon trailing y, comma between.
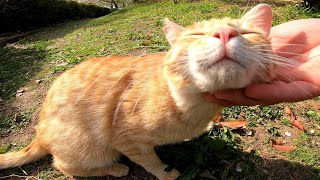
x: 225, y: 33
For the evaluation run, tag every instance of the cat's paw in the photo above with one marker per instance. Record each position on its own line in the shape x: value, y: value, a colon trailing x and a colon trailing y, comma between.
x: 172, y: 175
x: 118, y: 170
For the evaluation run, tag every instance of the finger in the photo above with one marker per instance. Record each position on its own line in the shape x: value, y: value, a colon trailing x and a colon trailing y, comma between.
x: 211, y: 98
x: 237, y: 98
x: 277, y: 92
x: 231, y: 98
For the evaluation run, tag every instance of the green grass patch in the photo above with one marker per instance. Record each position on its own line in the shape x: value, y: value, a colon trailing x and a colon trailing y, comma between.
x: 16, y: 121
x: 253, y: 114
x: 137, y: 30
x: 214, y: 155
x: 286, y: 122
x: 306, y: 151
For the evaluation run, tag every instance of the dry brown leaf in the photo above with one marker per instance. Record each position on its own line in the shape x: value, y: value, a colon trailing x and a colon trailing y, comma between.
x: 234, y: 124
x: 288, y: 111
x: 217, y: 118
x: 276, y: 142
x: 293, y: 118
x: 284, y: 148
x: 297, y: 124
x: 241, y: 115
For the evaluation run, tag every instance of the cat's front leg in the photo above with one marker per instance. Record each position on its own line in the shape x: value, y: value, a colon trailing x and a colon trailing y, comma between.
x: 147, y: 158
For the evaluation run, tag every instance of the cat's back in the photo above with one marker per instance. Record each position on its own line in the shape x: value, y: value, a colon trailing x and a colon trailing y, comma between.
x: 94, y: 86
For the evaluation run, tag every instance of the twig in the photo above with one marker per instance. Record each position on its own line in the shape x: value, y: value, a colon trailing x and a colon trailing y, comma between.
x: 19, y: 176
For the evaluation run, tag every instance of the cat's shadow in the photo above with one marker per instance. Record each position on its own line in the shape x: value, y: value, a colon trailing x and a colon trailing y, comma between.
x: 196, y: 160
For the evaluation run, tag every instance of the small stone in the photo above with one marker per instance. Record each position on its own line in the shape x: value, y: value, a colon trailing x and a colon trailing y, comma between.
x: 1, y: 99
x: 22, y: 90
x: 19, y: 94
x: 239, y: 166
x: 288, y: 134
x: 312, y: 131
x: 238, y: 169
x: 250, y: 133
x: 38, y: 81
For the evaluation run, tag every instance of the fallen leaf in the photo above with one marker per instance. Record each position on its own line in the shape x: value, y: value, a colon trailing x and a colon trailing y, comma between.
x: 288, y: 111
x: 241, y: 115
x: 293, y: 118
x: 276, y: 142
x: 297, y: 124
x: 283, y: 148
x: 217, y: 118
x: 234, y: 124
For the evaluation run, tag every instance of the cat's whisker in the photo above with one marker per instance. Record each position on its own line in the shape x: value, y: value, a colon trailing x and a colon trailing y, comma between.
x: 275, y: 59
x: 135, y: 104
x: 263, y: 66
x: 278, y: 44
x: 179, y: 67
x: 119, y: 104
x: 292, y: 81
x: 117, y: 81
x: 283, y: 52
x: 280, y: 61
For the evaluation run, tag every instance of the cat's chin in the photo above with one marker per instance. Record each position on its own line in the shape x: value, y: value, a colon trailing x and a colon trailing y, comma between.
x: 223, y: 77
x: 226, y: 62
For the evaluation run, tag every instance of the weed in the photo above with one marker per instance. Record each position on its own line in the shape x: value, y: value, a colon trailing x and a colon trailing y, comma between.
x: 273, y: 130
x: 5, y: 148
x: 253, y: 113
x: 207, y: 156
x: 311, y: 113
x: 252, y: 124
x: 286, y: 122
x: 17, y: 121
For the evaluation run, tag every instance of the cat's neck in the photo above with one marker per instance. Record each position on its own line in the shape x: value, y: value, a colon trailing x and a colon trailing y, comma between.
x: 190, y: 101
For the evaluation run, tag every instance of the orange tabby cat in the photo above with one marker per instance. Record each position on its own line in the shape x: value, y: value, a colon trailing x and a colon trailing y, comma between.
x: 108, y: 106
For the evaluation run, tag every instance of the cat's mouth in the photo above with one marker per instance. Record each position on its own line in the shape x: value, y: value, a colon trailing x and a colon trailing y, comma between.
x: 225, y: 60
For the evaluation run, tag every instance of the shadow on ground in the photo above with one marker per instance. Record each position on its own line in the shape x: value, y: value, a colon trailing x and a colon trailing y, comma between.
x: 225, y: 162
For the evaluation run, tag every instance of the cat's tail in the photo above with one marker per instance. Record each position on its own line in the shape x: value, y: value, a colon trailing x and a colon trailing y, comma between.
x: 28, y: 154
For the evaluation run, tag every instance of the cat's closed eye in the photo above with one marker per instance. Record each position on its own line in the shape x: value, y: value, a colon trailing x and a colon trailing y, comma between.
x: 247, y: 31
x: 197, y: 33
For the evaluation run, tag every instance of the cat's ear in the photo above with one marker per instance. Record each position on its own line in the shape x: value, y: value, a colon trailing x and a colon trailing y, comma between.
x: 260, y: 17
x: 172, y: 31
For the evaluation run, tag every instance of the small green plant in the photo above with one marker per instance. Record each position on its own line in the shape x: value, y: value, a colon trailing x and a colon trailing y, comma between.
x: 252, y: 124
x: 274, y: 131
x: 313, y: 5
x: 5, y: 148
x: 311, y: 113
x: 16, y: 121
x: 207, y: 156
x: 286, y: 122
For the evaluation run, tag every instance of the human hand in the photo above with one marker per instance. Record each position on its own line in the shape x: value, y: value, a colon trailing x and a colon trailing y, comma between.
x: 299, y: 41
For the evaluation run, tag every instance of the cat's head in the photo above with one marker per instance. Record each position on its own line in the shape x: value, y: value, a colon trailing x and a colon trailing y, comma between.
x: 221, y: 53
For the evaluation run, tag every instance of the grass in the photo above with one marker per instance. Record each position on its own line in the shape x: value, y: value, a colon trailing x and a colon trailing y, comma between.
x: 137, y: 30
x: 17, y: 121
